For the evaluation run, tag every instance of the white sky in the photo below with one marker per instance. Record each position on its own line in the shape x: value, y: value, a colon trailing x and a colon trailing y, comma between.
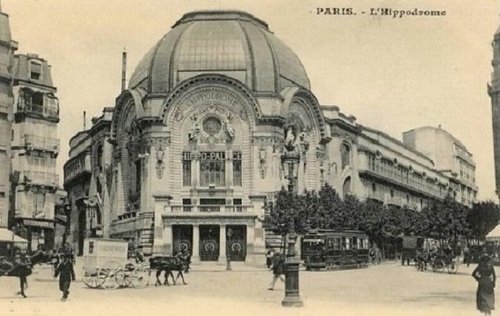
x: 392, y: 74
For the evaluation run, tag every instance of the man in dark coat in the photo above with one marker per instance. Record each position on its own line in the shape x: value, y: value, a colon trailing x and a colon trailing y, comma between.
x: 66, y: 274
x: 278, y: 270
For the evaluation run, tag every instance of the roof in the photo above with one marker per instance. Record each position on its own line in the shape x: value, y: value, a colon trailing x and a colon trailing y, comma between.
x: 494, y: 235
x: 232, y: 43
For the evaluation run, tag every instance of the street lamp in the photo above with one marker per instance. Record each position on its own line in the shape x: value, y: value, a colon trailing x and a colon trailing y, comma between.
x: 292, y: 293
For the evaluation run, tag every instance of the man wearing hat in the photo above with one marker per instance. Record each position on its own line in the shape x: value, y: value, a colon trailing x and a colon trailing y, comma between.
x: 66, y: 274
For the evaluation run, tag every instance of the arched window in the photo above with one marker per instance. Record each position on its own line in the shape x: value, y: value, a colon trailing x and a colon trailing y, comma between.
x: 345, y: 153
x: 99, y: 158
x: 346, y: 188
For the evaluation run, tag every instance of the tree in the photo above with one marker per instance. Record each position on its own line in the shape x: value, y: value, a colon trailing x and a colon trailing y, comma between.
x: 483, y: 217
x: 446, y: 219
x: 286, y: 214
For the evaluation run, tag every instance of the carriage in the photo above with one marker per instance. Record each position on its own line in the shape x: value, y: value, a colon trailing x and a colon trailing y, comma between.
x: 410, y: 245
x: 334, y: 248
x: 106, y: 265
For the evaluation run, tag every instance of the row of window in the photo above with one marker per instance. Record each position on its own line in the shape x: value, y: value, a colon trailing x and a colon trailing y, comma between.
x: 212, y: 168
x: 401, y: 174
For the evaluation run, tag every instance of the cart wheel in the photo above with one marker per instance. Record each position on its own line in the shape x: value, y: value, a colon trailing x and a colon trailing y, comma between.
x: 452, y: 267
x: 91, y: 279
x: 140, y: 278
x: 108, y: 276
x: 122, y: 277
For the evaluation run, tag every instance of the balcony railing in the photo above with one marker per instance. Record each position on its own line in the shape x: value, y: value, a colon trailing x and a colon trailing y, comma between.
x: 34, y: 142
x: 391, y: 175
x: 377, y: 195
x: 42, y: 178
x: 211, y: 208
x: 77, y: 166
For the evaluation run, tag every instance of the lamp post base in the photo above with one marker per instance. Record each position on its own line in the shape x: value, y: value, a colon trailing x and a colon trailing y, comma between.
x: 292, y: 294
x: 292, y: 301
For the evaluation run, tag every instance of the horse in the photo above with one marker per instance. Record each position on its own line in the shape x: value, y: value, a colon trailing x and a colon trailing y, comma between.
x: 168, y: 264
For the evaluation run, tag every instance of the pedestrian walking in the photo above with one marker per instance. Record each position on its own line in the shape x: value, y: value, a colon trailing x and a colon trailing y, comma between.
x: 278, y: 269
x: 23, y: 265
x: 66, y: 274
x: 269, y: 258
x: 486, y: 278
x: 467, y: 255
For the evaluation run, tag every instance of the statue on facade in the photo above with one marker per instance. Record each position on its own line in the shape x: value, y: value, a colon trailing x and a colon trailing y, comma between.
x: 194, y: 133
x: 229, y: 130
x: 290, y: 139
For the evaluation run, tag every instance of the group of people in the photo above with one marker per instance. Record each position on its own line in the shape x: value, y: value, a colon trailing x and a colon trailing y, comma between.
x: 22, y: 264
x: 375, y: 254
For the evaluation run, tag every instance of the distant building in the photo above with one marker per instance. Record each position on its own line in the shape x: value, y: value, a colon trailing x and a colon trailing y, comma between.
x: 218, y: 116
x: 451, y: 158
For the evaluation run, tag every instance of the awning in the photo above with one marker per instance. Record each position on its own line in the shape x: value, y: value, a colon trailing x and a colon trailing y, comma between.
x: 20, y: 240
x: 6, y: 235
x: 494, y: 235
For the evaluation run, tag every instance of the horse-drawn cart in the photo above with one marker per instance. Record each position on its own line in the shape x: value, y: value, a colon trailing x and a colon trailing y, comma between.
x: 106, y: 265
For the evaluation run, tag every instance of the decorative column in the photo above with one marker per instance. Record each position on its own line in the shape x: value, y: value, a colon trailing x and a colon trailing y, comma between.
x: 161, y: 207
x: 222, y: 244
x: 195, y: 258
x: 256, y: 245
x: 167, y: 240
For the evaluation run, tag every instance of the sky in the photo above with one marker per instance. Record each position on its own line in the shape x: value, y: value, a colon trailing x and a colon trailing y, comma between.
x: 393, y: 74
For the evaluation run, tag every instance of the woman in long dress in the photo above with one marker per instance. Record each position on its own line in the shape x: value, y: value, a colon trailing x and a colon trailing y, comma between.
x: 486, y: 278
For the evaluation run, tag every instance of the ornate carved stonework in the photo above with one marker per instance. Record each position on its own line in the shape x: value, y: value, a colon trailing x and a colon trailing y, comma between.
x: 214, y: 97
x: 211, y: 125
x: 263, y: 162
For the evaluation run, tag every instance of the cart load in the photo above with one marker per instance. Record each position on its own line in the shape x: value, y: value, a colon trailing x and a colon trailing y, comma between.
x: 106, y: 265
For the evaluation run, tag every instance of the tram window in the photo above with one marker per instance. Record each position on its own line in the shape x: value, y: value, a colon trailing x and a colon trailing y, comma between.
x: 336, y: 243
x: 347, y: 244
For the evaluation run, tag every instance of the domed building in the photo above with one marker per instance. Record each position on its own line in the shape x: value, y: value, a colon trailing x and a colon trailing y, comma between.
x: 218, y: 116
x: 200, y: 132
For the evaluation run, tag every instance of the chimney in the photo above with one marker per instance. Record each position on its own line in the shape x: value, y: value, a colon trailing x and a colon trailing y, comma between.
x: 124, y: 69
x: 84, y: 120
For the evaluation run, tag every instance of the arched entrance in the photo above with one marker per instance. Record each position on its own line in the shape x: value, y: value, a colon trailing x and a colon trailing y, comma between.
x: 209, y: 242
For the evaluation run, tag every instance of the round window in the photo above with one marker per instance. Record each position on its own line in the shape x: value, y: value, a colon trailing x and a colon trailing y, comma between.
x: 212, y: 125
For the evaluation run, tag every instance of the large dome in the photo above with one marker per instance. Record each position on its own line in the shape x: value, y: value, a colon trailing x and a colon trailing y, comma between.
x: 232, y: 43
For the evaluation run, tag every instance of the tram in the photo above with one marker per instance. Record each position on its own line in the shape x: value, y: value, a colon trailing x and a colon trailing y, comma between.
x: 334, y: 249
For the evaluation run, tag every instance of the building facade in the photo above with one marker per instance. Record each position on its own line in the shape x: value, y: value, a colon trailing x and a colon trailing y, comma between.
x: 29, y: 114
x: 218, y: 116
x: 35, y: 147
x: 450, y: 156
x: 86, y: 176
x: 7, y: 50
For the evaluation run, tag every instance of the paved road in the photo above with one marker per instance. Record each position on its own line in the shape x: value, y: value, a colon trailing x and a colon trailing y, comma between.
x: 387, y: 289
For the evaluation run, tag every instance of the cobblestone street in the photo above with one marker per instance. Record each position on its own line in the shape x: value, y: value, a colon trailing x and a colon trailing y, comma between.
x: 388, y: 289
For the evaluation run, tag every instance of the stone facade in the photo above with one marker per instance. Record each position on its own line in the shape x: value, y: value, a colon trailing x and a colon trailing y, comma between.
x: 35, y: 147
